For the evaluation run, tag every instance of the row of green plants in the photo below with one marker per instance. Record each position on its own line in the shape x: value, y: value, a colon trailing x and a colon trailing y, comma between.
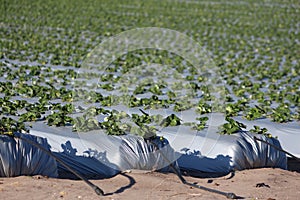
x: 255, y: 46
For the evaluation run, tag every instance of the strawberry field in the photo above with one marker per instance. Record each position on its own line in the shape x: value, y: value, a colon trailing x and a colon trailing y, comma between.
x: 255, y: 45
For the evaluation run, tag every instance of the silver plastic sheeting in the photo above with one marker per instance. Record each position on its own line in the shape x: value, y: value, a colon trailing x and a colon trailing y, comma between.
x: 150, y: 154
x: 287, y: 133
x: 227, y: 153
x: 112, y: 153
x: 204, y: 154
x: 17, y: 157
x: 89, y: 158
x: 250, y: 153
x: 90, y: 167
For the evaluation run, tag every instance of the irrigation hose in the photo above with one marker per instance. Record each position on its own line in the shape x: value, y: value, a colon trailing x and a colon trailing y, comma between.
x: 100, y: 192
x: 97, y: 190
x: 228, y: 195
x: 178, y: 173
x: 276, y: 147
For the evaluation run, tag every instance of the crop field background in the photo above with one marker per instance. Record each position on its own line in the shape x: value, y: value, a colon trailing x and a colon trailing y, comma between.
x: 255, y: 44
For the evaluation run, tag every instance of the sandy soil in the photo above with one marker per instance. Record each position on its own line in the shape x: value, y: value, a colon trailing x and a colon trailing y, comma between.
x: 251, y: 184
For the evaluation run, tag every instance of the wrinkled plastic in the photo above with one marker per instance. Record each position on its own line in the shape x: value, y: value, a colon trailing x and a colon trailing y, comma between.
x: 229, y: 153
x: 151, y: 154
x: 250, y: 153
x: 205, y: 154
x: 287, y: 133
x: 113, y: 153
x: 89, y: 159
x: 17, y: 157
x: 90, y: 167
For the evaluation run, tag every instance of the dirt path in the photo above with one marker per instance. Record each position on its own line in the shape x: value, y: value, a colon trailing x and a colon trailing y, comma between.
x: 251, y: 184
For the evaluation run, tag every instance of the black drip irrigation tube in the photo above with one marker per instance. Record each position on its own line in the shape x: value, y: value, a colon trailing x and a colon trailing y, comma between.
x: 97, y: 190
x: 100, y: 192
x: 277, y: 148
x: 228, y: 195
